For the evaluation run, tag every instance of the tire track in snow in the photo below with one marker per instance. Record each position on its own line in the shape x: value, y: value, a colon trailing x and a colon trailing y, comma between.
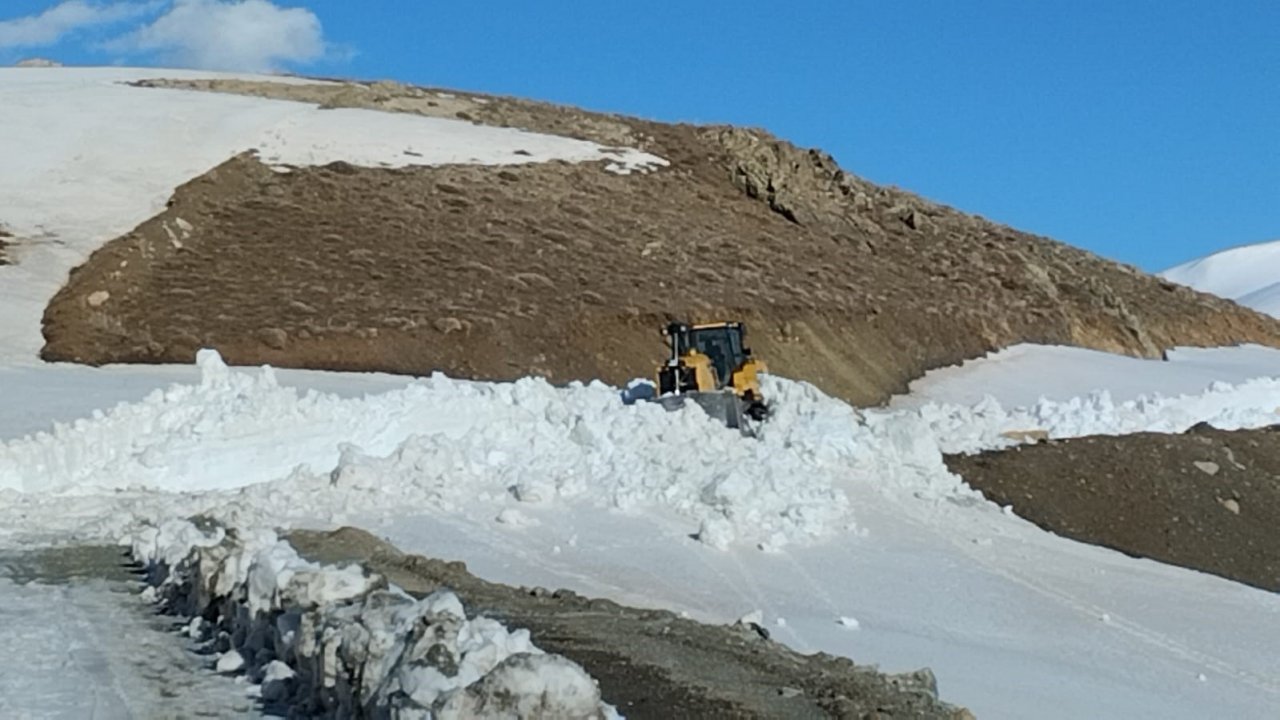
x: 1135, y: 630
x: 92, y: 648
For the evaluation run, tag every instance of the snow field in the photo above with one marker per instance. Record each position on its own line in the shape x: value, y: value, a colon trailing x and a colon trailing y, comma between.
x: 88, y: 158
x: 1246, y: 274
x: 1022, y: 375
x: 325, y: 640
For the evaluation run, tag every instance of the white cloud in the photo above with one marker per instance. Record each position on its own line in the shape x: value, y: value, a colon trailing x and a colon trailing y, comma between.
x: 245, y: 35
x: 50, y: 26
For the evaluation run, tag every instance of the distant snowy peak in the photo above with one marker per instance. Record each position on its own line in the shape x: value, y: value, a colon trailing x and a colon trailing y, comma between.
x: 37, y: 62
x: 1249, y: 275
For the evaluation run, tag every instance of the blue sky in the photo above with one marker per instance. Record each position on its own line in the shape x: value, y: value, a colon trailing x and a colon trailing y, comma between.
x: 1145, y: 131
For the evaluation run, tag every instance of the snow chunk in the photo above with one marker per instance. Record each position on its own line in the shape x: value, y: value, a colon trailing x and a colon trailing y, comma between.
x: 516, y: 519
x: 526, y: 686
x: 230, y: 662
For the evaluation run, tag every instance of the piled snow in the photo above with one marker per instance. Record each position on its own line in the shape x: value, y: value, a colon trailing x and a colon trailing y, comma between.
x: 442, y: 443
x: 1246, y: 274
x: 37, y: 397
x: 437, y: 443
x: 332, y: 641
x: 1022, y: 375
x: 987, y: 425
x: 87, y: 158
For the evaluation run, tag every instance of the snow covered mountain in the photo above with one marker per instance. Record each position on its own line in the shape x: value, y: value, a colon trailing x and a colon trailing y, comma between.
x: 1249, y: 275
x: 838, y: 530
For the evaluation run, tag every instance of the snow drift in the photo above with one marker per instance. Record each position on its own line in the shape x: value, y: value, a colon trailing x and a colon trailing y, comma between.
x: 326, y: 641
x: 241, y: 447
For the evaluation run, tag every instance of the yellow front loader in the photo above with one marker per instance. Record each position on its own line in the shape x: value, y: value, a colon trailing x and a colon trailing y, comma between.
x: 711, y: 365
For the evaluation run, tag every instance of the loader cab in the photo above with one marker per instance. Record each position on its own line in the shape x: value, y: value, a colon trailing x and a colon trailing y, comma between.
x: 722, y: 343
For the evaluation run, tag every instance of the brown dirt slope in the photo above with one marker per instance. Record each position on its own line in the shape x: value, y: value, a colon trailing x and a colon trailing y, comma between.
x: 568, y: 271
x: 651, y: 663
x: 1207, y: 499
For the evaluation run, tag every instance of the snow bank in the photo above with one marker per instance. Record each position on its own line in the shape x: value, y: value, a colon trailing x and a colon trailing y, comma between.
x: 437, y: 443
x: 986, y: 425
x: 245, y: 450
x: 900, y: 451
x: 331, y: 641
x: 1022, y: 375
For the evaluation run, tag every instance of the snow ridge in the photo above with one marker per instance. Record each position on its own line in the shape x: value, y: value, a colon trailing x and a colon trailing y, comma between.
x: 231, y: 447
x: 437, y: 443
x: 987, y: 425
x: 334, y: 642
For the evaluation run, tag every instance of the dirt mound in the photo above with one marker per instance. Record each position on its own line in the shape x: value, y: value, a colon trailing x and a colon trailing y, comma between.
x: 651, y: 663
x: 567, y: 271
x: 1207, y: 499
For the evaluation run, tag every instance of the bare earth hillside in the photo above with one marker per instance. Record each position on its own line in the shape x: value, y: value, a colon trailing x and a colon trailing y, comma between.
x: 568, y: 271
x: 1207, y: 499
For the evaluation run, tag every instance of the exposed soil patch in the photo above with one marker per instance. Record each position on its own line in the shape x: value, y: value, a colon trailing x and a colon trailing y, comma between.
x: 1207, y: 499
x: 4, y: 237
x: 567, y: 271
x: 653, y: 664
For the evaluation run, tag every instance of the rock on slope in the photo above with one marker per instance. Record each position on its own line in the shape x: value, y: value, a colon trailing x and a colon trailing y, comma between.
x: 1246, y: 274
x: 566, y: 271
